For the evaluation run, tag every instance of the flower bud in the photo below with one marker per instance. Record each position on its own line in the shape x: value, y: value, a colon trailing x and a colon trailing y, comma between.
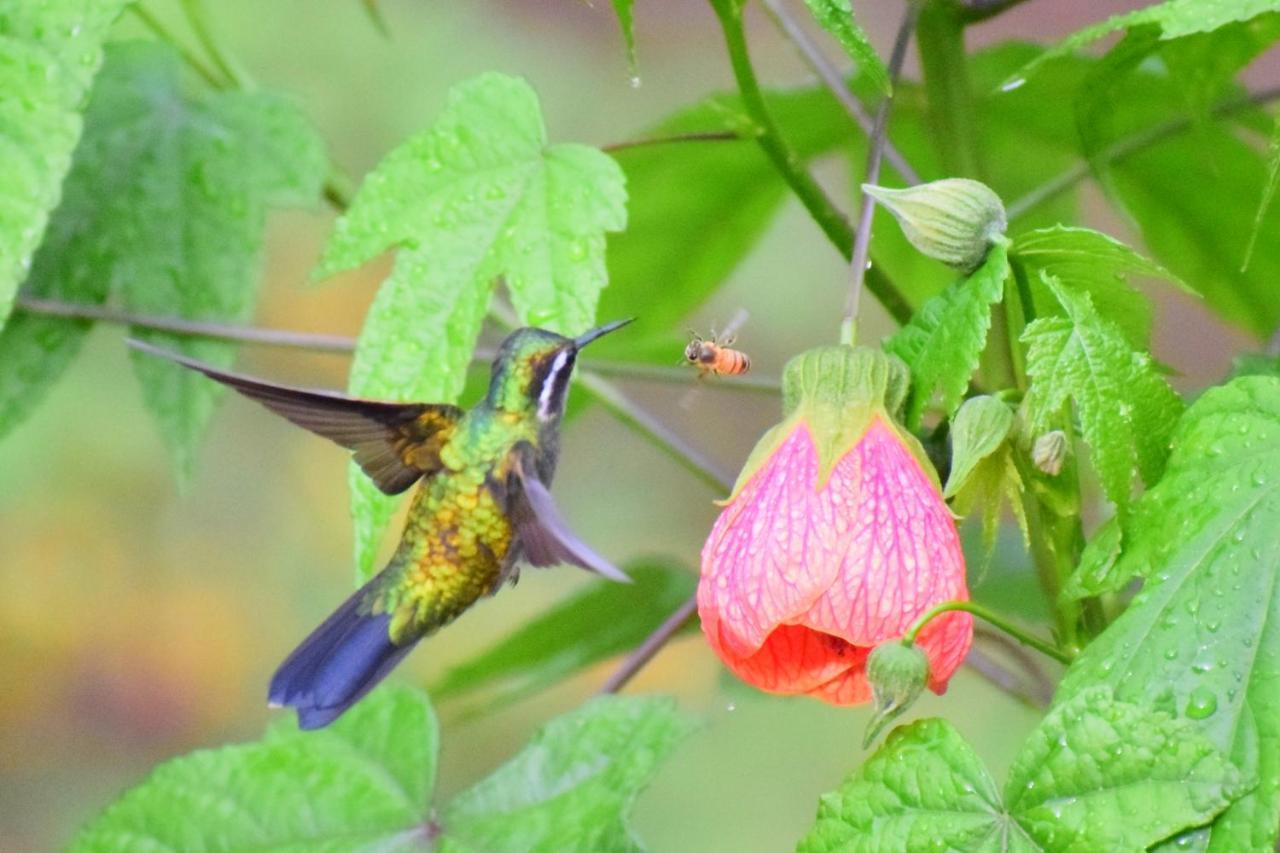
x: 954, y: 220
x: 897, y: 673
x: 1049, y: 451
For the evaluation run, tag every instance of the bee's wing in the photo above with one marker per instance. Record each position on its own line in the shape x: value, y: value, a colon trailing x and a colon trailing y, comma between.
x: 394, y: 443
x: 544, y: 536
x: 735, y: 324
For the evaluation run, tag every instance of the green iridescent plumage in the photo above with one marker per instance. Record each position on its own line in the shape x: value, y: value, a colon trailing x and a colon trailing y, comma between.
x: 482, y: 507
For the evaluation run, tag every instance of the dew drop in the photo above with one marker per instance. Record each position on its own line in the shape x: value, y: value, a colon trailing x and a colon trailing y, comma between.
x: 1016, y: 83
x: 1201, y: 703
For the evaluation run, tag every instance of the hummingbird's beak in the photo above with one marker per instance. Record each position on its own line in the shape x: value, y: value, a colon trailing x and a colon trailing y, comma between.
x: 589, y: 336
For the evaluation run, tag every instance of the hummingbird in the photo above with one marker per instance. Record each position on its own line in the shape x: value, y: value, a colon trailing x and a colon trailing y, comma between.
x: 482, y: 508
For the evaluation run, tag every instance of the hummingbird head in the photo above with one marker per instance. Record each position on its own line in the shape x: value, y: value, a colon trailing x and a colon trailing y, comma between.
x: 530, y: 374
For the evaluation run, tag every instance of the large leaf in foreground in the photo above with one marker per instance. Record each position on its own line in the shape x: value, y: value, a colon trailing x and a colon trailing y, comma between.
x: 182, y: 186
x: 364, y: 783
x: 1096, y: 774
x: 925, y: 786
x: 573, y: 786
x: 945, y: 338
x: 602, y: 620
x: 1126, y: 410
x: 1202, y: 638
x: 477, y: 197
x: 49, y: 53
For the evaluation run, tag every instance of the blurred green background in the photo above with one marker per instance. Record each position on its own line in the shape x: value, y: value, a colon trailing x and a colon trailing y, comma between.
x: 137, y: 623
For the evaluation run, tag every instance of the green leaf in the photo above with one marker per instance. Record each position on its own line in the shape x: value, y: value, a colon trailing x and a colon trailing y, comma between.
x: 626, y: 21
x: 1173, y: 19
x: 836, y: 17
x: 1268, y: 193
x: 1158, y: 177
x: 1126, y: 410
x: 945, y: 338
x: 477, y: 197
x: 49, y: 54
x: 978, y: 429
x: 181, y: 187
x: 572, y: 787
x: 1098, y: 774
x: 983, y: 474
x: 1093, y: 263
x: 364, y: 783
x: 602, y: 620
x: 923, y: 789
x: 1200, y: 639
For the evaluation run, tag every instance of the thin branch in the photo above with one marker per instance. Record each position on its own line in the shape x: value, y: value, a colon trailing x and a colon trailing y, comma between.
x: 195, y: 328
x: 167, y: 36
x: 658, y: 433
x: 1039, y: 684
x: 706, y: 136
x: 788, y: 164
x: 318, y: 342
x: 879, y: 138
x: 646, y: 651
x: 199, y: 21
x: 1125, y: 148
x: 836, y: 83
x: 1004, y: 680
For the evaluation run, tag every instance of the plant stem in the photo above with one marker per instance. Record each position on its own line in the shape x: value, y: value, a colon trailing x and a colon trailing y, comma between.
x: 221, y: 58
x: 879, y: 136
x: 652, y: 644
x: 946, y: 85
x: 319, y: 342
x: 828, y: 217
x: 705, y: 136
x: 991, y: 618
x: 167, y: 36
x: 1122, y: 149
x: 836, y: 83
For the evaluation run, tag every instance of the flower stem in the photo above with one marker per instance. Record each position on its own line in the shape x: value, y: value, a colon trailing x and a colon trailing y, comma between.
x: 940, y: 35
x: 832, y: 222
x: 875, y: 154
x: 991, y: 618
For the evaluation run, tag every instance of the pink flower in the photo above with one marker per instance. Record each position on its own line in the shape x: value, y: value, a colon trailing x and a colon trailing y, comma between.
x: 835, y: 540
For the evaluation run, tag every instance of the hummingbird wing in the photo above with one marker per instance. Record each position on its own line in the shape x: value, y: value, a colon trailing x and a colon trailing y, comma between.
x: 394, y: 443
x: 544, y: 536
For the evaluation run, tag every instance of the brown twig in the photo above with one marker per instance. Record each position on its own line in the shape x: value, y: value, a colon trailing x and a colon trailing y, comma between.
x: 879, y: 138
x: 836, y: 83
x: 645, y: 652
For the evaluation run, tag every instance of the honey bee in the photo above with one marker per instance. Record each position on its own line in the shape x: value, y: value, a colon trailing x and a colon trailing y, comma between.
x: 714, y: 355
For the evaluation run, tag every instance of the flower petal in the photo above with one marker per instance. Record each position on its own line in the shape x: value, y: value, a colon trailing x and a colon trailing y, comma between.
x: 771, y: 553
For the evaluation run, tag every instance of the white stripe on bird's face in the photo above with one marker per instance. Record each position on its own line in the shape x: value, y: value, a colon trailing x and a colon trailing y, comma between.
x: 548, y: 399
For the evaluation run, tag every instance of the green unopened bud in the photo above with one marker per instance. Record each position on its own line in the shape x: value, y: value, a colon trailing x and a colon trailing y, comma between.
x: 1049, y: 451
x: 897, y: 674
x: 954, y: 220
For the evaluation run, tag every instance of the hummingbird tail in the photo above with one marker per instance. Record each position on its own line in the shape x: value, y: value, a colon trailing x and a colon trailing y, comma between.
x: 336, y: 665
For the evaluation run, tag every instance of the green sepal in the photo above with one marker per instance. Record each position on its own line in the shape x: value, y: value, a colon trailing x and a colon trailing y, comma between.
x: 836, y: 391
